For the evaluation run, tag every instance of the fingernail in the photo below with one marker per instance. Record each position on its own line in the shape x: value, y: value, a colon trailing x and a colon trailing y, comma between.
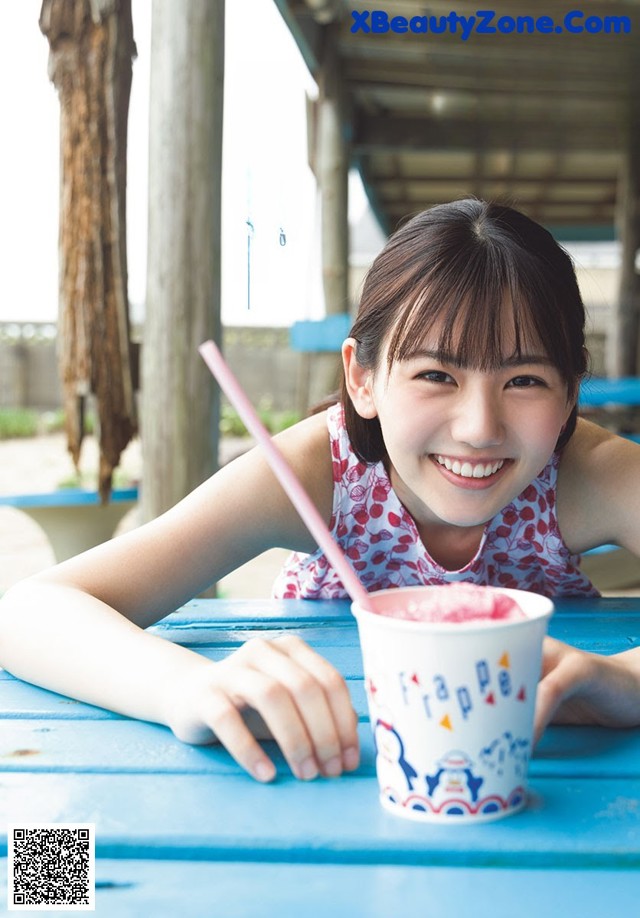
x: 333, y: 767
x: 350, y: 758
x: 264, y: 771
x: 308, y: 770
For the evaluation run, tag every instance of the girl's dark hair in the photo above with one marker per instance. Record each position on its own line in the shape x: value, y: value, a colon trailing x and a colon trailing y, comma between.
x: 462, y: 264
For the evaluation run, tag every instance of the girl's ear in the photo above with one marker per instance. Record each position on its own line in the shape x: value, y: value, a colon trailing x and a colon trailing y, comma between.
x: 358, y: 380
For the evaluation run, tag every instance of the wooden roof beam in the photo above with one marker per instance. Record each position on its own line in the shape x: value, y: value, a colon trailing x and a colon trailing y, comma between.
x: 374, y: 133
x: 534, y: 181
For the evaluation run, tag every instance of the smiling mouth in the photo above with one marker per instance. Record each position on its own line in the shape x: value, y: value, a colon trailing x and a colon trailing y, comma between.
x: 469, y: 469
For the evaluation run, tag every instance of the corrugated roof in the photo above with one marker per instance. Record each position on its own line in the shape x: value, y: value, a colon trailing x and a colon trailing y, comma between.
x: 538, y: 119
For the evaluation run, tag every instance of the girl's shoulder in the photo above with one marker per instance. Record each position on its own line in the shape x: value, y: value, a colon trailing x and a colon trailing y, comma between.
x: 306, y: 447
x: 592, y: 449
x: 599, y: 488
x: 308, y: 435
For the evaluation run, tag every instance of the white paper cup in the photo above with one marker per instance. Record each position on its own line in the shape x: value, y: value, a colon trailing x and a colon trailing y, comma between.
x: 451, y: 707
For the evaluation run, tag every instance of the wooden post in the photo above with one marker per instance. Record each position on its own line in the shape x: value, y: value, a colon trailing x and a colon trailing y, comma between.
x: 332, y: 172
x: 333, y: 179
x: 180, y: 406
x: 622, y: 343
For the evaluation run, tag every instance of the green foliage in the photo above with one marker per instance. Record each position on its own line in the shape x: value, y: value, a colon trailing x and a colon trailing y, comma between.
x: 23, y: 422
x: 18, y: 422
x: 26, y: 422
x: 78, y: 480
x: 230, y: 423
x: 274, y: 421
x: 89, y: 480
x: 280, y: 420
x: 52, y: 421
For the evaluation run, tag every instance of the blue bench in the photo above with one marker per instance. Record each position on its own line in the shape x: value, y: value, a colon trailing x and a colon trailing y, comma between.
x: 73, y: 519
x: 313, y: 337
x: 599, y: 392
x: 603, y: 397
x: 320, y: 336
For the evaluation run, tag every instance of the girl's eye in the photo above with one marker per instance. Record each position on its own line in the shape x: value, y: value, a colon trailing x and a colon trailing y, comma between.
x: 435, y: 376
x: 525, y: 382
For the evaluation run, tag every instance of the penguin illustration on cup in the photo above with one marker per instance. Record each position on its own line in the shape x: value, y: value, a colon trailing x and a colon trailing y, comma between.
x: 396, y: 775
x: 454, y: 778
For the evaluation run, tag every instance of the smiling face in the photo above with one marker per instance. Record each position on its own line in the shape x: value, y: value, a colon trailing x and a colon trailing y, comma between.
x: 462, y: 442
x: 480, y: 284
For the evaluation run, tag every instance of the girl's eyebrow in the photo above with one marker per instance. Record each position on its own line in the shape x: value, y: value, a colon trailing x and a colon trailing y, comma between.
x: 444, y: 357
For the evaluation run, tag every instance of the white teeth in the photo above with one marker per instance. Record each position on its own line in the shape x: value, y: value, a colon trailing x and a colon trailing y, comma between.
x: 467, y: 470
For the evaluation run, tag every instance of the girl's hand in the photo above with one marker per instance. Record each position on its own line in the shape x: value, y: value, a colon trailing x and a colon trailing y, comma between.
x: 587, y: 688
x: 299, y: 698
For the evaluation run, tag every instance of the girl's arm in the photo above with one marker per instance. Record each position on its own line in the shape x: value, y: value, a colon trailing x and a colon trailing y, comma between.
x: 78, y: 628
x: 598, y: 503
x: 599, y: 490
x: 587, y: 688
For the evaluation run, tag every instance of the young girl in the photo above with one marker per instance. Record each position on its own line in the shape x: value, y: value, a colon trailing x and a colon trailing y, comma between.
x: 455, y: 454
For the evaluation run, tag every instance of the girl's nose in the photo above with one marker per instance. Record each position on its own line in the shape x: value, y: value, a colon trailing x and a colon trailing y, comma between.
x: 478, y: 421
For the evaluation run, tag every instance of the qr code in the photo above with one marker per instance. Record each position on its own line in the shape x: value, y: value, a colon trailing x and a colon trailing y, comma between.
x: 51, y: 866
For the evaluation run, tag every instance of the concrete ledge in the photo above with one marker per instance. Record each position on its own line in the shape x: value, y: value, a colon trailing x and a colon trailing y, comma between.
x: 611, y: 568
x: 73, y: 519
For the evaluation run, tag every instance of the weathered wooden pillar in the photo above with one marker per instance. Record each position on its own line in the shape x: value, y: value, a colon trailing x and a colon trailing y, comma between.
x: 331, y: 165
x: 623, y: 344
x: 91, y: 50
x: 180, y: 405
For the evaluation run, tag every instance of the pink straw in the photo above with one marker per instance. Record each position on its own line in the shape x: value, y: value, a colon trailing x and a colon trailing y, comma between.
x: 284, y: 473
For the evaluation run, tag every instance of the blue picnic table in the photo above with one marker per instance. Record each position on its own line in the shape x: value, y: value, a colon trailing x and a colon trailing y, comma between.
x: 598, y: 392
x: 74, y: 519
x: 181, y: 830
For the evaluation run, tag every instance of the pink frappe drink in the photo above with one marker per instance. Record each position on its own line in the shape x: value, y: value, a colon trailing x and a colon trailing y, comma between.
x: 451, y: 674
x: 459, y: 603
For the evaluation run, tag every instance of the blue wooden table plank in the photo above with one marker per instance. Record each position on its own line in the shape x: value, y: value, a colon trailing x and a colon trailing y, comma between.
x: 210, y: 829
x: 135, y: 888
x: 213, y: 612
x: 116, y: 744
x: 222, y: 636
x: 605, y: 626
x: 577, y: 824
x: 339, y: 644
x: 125, y: 746
x: 210, y: 612
x: 619, y: 635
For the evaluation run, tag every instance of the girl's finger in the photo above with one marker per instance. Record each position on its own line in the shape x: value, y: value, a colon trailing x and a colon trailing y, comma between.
x: 307, y: 694
x: 245, y: 685
x: 552, y: 653
x: 226, y: 721
x: 565, y: 670
x: 336, y: 692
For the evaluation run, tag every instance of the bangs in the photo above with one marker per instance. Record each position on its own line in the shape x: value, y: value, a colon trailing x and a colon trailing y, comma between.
x: 483, y: 306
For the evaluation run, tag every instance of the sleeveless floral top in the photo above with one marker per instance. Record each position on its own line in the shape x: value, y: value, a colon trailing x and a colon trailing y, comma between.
x: 521, y: 547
